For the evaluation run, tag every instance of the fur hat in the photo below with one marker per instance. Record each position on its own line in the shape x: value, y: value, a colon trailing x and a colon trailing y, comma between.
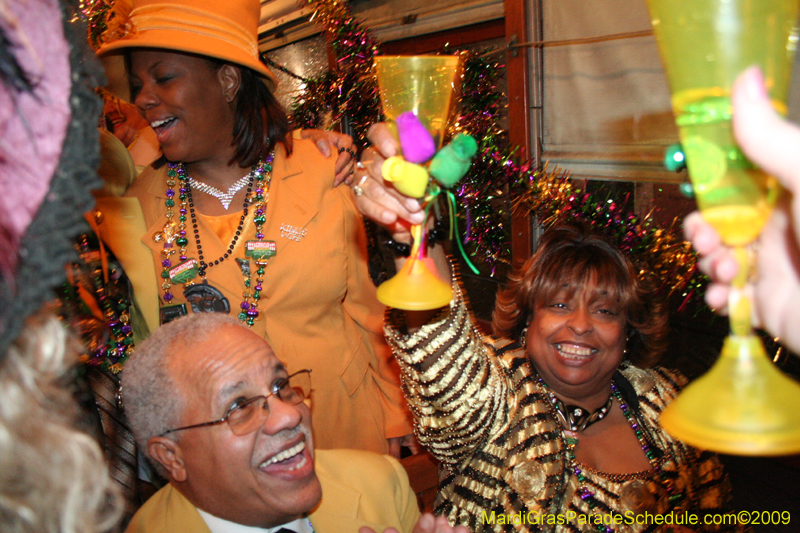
x: 220, y: 29
x: 49, y: 152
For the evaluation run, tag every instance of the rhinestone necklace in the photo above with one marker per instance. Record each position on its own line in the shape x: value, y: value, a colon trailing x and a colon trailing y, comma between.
x: 224, y: 198
x: 203, y: 265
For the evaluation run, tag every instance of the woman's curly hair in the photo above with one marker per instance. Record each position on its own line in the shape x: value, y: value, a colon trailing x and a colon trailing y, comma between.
x: 570, y: 256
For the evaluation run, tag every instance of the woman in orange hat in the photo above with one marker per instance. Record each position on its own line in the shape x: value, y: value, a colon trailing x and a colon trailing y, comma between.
x: 240, y: 217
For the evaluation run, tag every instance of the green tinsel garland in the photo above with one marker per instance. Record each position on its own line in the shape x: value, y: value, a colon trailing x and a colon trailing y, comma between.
x: 497, y: 180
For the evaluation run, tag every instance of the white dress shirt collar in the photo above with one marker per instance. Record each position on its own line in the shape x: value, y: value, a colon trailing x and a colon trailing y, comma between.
x: 220, y: 525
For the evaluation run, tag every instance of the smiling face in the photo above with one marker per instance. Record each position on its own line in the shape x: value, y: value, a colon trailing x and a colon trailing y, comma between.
x: 576, y: 341
x: 187, y: 100
x: 264, y: 478
x: 125, y: 119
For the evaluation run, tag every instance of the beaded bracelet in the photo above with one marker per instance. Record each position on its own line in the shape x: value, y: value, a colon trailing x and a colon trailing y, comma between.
x: 349, y: 151
x: 400, y: 249
x: 436, y: 235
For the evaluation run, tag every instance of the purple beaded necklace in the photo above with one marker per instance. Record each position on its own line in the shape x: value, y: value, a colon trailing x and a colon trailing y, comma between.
x: 174, y: 233
x: 570, y: 439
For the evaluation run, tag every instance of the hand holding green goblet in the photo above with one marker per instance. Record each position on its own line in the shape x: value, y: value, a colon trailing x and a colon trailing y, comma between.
x: 743, y: 405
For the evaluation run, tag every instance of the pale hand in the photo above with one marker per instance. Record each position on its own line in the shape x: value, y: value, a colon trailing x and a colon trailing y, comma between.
x: 409, y: 441
x: 773, y: 144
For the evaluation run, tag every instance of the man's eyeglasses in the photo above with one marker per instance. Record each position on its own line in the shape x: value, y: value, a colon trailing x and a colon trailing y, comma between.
x: 248, y: 415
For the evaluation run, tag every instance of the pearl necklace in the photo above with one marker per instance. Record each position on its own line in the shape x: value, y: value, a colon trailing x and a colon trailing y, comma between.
x: 225, y: 198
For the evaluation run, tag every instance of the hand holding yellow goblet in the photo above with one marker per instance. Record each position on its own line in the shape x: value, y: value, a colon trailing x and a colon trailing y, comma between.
x: 743, y: 405
x: 423, y: 86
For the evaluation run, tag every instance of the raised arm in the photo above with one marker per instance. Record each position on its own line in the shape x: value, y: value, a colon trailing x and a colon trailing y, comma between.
x: 457, y: 392
x: 454, y: 387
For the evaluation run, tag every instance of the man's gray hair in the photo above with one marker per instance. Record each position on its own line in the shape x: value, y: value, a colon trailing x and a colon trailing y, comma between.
x: 150, y: 397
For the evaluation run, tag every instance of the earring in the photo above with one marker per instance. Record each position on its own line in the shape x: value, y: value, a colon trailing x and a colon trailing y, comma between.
x: 523, y: 337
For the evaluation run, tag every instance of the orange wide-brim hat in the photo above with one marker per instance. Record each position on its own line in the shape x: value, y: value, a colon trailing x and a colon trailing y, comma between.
x: 220, y: 29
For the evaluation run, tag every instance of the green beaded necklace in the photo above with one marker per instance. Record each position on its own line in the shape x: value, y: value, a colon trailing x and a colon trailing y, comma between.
x: 573, y: 467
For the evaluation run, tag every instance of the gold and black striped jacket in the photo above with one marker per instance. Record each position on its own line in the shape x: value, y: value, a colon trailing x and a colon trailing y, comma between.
x: 480, y: 410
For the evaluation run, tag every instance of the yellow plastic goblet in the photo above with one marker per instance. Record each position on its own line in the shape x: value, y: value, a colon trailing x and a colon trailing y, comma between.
x: 425, y: 86
x: 743, y: 405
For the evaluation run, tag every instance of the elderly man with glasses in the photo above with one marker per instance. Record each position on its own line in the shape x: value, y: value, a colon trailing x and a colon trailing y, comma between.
x: 222, y: 419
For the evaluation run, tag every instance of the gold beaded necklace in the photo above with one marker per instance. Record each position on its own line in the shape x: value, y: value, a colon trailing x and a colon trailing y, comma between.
x: 174, y: 233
